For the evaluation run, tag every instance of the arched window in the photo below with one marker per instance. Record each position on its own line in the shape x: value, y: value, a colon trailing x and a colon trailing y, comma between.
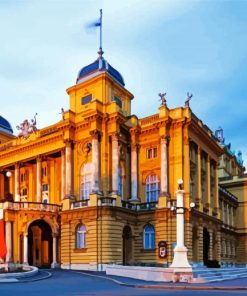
x: 81, y: 236
x: 148, y: 237
x: 152, y: 188
x: 86, y: 184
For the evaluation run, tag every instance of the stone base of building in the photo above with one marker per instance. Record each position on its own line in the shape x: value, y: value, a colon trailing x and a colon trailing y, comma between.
x: 156, y: 274
x: 89, y: 266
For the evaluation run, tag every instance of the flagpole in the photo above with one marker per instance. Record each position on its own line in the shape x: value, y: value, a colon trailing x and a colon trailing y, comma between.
x: 101, y: 29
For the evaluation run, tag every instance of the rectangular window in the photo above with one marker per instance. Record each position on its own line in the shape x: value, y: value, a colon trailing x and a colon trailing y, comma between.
x: 45, y: 187
x: 87, y: 99
x: 118, y: 101
x: 152, y: 152
x: 44, y: 171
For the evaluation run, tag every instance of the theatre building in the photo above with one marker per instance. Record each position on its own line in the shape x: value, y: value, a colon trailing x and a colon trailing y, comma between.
x: 99, y: 186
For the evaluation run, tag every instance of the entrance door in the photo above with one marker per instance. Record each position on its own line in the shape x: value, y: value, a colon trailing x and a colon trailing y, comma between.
x: 127, y: 245
x: 206, y: 242
x: 40, y: 244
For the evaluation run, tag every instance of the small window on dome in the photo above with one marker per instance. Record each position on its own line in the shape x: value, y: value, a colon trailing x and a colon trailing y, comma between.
x: 118, y: 101
x: 87, y: 99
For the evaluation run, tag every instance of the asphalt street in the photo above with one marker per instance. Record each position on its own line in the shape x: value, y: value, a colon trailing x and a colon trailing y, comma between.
x: 68, y: 283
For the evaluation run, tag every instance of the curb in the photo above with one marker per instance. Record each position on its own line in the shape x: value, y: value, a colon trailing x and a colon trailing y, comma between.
x: 164, y: 287
x: 49, y: 275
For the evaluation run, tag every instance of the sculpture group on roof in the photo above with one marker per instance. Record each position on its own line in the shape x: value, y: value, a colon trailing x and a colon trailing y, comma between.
x: 27, y: 128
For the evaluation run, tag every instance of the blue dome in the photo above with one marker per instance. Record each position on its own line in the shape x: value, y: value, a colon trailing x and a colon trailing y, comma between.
x: 100, y: 66
x: 5, y: 126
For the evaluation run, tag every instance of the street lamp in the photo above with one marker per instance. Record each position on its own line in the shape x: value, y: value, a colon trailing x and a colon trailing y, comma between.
x: 180, y: 261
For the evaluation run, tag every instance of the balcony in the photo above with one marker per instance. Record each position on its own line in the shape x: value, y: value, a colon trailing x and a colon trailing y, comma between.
x: 140, y: 207
x: 30, y: 206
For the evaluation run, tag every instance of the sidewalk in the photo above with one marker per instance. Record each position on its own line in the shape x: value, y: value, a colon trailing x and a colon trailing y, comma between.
x: 237, y: 284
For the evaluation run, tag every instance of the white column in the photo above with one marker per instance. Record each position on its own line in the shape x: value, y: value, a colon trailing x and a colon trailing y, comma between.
x: 62, y: 174
x: 38, y: 179
x: 210, y: 251
x: 180, y: 259
x: 8, y: 239
x: 54, y: 252
x: 115, y: 163
x: 68, y: 169
x: 17, y: 182
x: 164, y: 167
x: 95, y: 161
x: 134, y: 172
x: 25, y: 249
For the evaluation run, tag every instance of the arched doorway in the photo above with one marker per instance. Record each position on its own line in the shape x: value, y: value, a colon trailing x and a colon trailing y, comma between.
x: 39, y: 244
x: 127, y: 245
x: 206, y: 242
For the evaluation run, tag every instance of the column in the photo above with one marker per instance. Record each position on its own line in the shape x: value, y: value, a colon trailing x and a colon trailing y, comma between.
x: 62, y: 174
x: 54, y: 251
x: 217, y: 188
x: 115, y: 163
x: 223, y: 211
x: 199, y: 180
x: 8, y: 238
x: 218, y: 241
x: 25, y: 248
x: 95, y: 160
x: 134, y: 172
x: 68, y: 169
x: 227, y: 214
x: 209, y: 205
x: 210, y: 251
x: 164, y: 166
x: 17, y: 182
x: 38, y: 178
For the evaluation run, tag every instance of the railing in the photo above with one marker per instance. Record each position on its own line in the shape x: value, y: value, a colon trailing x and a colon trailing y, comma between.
x: 147, y: 206
x: 80, y: 204
x: 33, y: 206
x: 107, y: 201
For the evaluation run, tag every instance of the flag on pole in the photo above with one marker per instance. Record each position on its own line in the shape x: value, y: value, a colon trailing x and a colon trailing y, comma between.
x: 3, y: 249
x: 94, y: 24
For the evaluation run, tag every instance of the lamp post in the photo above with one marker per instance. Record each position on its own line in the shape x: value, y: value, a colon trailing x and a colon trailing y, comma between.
x: 182, y: 268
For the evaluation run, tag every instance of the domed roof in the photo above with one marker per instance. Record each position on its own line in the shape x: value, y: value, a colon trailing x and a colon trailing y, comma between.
x: 5, y: 126
x: 98, y: 67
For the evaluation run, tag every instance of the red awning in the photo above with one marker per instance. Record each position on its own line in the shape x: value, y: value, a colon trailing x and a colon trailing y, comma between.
x: 3, y: 249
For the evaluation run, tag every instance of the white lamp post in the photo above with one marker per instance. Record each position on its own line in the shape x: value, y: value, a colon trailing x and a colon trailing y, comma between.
x: 180, y: 261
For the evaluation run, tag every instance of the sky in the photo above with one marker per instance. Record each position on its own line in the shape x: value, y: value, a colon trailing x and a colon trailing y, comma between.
x: 157, y: 45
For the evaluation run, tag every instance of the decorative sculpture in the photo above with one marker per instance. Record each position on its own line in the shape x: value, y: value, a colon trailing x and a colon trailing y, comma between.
x: 27, y: 128
x: 189, y: 97
x: 163, y: 99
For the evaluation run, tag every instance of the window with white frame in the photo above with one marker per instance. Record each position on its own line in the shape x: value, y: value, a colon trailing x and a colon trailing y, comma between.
x: 148, y: 237
x: 81, y: 236
x: 151, y: 152
x: 86, y: 181
x: 152, y: 188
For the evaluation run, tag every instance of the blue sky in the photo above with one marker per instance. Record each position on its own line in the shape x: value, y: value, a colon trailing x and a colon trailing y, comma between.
x: 158, y: 46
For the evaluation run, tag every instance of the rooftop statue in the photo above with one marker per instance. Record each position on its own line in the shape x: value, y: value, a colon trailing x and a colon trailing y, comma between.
x: 27, y: 128
x: 189, y: 97
x: 163, y: 99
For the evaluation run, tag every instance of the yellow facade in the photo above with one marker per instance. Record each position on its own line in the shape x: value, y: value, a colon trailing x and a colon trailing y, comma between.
x: 98, y: 186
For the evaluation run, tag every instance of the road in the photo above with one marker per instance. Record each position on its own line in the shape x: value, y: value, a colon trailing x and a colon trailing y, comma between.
x: 67, y: 283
